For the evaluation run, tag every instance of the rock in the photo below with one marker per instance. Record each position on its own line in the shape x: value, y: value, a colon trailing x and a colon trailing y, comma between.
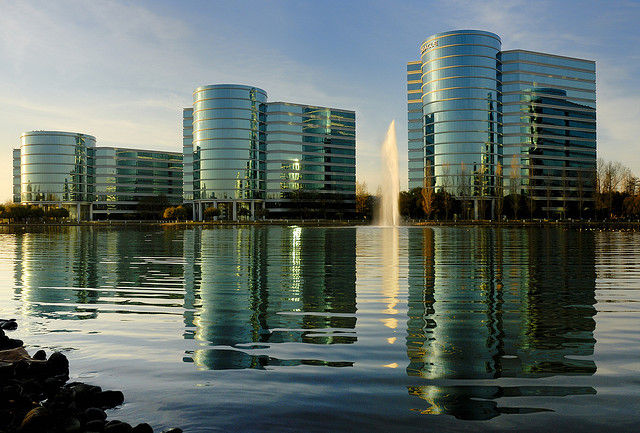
x: 58, y: 363
x: 72, y: 425
x: 109, y: 399
x: 9, y: 325
x: 37, y: 420
x: 40, y: 355
x: 117, y: 427
x: 94, y: 413
x: 96, y: 425
x: 7, y: 343
x: 84, y: 395
x: 173, y: 430
x: 21, y: 369
x: 142, y: 428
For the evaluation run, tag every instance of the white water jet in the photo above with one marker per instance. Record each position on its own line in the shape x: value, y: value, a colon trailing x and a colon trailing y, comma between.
x: 388, y: 212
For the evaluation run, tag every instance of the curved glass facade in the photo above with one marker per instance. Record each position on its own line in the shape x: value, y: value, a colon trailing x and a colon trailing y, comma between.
x: 460, y: 102
x: 53, y: 166
x: 229, y: 142
x: 484, y: 122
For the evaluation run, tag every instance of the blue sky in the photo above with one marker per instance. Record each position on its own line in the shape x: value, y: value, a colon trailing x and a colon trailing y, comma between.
x: 122, y: 71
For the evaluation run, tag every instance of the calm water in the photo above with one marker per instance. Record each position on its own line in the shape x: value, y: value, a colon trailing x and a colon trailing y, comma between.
x: 340, y: 329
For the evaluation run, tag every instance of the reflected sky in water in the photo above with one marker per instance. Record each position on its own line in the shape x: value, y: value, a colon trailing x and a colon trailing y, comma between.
x: 358, y: 329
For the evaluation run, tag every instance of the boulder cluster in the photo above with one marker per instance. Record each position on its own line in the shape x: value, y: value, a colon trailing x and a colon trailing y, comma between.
x: 36, y: 397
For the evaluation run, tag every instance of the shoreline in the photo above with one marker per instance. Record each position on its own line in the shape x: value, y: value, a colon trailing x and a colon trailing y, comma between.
x: 612, y: 225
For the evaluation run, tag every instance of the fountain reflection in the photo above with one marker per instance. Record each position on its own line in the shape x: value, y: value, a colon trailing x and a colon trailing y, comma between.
x: 256, y: 292
x: 515, y: 305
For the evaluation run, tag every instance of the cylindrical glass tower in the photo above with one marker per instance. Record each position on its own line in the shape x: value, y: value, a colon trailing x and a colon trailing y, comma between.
x: 461, y: 111
x: 229, y: 143
x: 53, y: 167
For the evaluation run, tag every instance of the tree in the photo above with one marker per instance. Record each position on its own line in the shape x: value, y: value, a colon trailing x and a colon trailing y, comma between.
x: 499, y: 191
x: 427, y: 191
x: 210, y: 213
x: 514, y: 186
x: 244, y: 212
x: 445, y: 188
x: 169, y: 213
x: 178, y: 213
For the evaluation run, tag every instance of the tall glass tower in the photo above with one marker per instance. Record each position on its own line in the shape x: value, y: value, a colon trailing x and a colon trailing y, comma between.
x: 459, y: 94
x: 228, y: 146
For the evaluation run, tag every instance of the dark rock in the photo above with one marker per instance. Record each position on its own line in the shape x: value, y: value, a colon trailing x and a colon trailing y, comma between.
x: 109, y: 399
x: 83, y: 394
x: 9, y: 325
x: 117, y: 427
x: 58, y: 363
x: 37, y: 420
x: 40, y: 355
x: 21, y: 369
x: 72, y: 425
x: 94, y: 413
x: 96, y: 425
x: 142, y: 428
x: 7, y: 343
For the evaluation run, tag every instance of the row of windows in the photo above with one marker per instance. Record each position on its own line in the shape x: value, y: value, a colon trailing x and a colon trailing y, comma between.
x: 519, y: 56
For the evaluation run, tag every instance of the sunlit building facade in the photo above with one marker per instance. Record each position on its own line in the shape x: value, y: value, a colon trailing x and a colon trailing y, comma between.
x: 244, y: 154
x: 66, y: 169
x: 484, y: 123
x: 310, y: 159
x: 125, y: 178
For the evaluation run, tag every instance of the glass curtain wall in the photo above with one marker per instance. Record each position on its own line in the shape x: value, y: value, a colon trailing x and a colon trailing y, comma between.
x: 53, y: 167
x: 454, y: 117
x: 310, y: 161
x: 125, y: 178
x: 549, y: 112
x: 229, y: 144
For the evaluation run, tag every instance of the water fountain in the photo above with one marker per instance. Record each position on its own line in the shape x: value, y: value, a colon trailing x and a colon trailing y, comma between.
x: 388, y: 212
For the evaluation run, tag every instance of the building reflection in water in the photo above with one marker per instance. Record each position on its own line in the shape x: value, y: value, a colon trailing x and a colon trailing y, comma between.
x: 253, y: 291
x: 486, y: 304
x: 77, y: 272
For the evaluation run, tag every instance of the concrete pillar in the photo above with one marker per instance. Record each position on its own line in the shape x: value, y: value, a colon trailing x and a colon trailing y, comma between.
x: 235, y: 211
x: 193, y: 211
x: 475, y: 208
x: 493, y: 209
x: 78, y: 212
x: 253, y: 210
x: 90, y: 211
x: 200, y: 211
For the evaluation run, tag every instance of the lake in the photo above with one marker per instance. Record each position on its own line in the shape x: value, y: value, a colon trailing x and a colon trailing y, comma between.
x: 282, y: 328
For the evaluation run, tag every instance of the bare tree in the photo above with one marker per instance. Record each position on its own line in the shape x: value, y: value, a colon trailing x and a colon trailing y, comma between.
x: 499, y: 191
x: 514, y: 186
x: 428, y: 194
x: 445, y: 188
x: 464, y: 189
x: 580, y: 184
x: 565, y: 192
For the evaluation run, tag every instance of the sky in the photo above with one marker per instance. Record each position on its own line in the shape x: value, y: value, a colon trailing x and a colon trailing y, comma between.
x: 123, y: 70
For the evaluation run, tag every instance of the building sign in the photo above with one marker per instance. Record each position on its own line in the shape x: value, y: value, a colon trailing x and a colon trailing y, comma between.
x: 428, y: 46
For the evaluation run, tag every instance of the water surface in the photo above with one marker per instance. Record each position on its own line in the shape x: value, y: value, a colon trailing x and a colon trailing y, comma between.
x: 339, y: 329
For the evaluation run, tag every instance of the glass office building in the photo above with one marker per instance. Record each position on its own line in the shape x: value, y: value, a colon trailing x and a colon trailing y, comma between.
x: 549, y: 141
x: 54, y: 170
x: 66, y: 169
x: 228, y: 147
x: 310, y: 160
x: 484, y: 122
x: 125, y: 178
x: 249, y: 155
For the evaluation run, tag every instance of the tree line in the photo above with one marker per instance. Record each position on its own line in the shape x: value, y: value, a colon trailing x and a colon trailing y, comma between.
x: 16, y: 212
x: 616, y: 196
